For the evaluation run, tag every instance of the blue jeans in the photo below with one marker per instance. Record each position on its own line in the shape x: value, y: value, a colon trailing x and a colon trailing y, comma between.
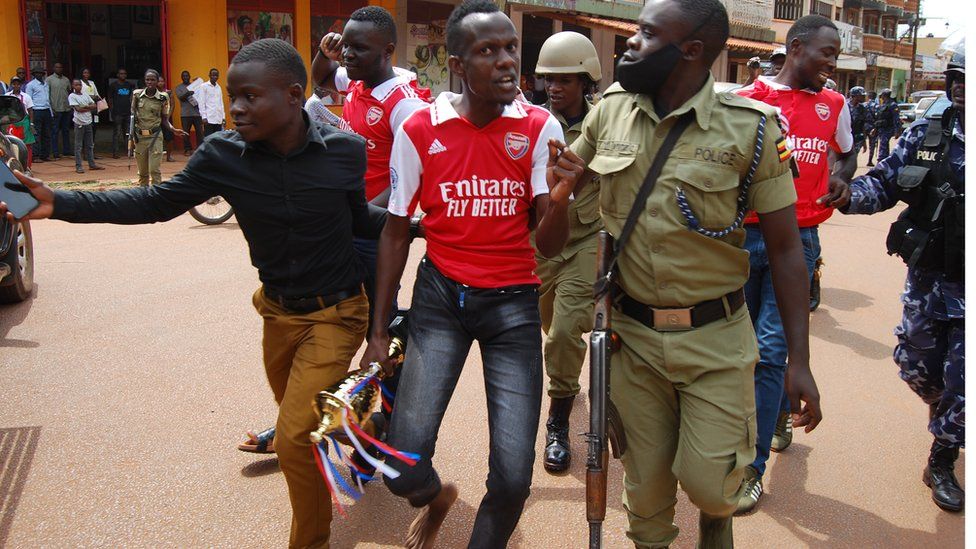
x: 445, y: 319
x: 63, y: 125
x: 770, y: 374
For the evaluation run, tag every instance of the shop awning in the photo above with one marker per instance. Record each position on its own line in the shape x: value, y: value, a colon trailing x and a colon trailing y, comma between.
x: 626, y: 28
x: 851, y: 63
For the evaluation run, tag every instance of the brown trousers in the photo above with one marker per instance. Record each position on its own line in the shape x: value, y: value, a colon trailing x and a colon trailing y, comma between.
x: 303, y: 354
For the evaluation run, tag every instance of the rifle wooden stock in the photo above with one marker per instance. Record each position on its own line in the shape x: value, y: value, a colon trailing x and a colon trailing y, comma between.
x: 601, y: 346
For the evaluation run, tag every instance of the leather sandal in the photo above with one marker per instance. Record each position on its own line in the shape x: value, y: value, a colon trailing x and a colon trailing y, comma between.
x: 261, y: 443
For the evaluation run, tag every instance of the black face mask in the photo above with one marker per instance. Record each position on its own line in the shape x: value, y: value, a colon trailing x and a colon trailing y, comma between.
x: 649, y: 74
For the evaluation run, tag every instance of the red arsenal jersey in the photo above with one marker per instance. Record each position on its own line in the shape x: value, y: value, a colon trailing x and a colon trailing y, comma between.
x: 376, y: 114
x: 476, y: 186
x: 818, y: 121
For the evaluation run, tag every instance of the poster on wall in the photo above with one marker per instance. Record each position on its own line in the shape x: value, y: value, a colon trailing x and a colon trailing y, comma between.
x: 244, y: 27
x: 427, y: 55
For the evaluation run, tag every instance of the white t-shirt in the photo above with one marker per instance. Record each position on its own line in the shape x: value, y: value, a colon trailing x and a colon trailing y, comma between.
x: 24, y: 98
x: 80, y: 118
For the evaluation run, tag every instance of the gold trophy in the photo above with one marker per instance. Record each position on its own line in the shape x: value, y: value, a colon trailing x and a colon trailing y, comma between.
x: 360, y: 392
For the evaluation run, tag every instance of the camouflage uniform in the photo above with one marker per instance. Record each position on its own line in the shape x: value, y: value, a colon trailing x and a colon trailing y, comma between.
x: 931, y: 336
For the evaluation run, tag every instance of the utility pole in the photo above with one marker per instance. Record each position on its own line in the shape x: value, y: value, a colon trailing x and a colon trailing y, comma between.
x: 911, y: 75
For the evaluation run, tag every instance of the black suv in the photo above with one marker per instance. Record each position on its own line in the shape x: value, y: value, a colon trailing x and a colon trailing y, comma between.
x: 16, y: 246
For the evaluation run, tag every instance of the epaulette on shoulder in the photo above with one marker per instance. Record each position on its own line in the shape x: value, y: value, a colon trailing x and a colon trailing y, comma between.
x: 614, y: 88
x: 732, y: 99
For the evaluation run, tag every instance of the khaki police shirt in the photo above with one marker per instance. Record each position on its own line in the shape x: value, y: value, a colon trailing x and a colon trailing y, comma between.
x: 584, y: 210
x: 665, y: 263
x: 150, y: 109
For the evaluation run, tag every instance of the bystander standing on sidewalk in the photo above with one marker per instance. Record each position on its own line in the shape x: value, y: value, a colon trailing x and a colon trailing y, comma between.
x: 189, y: 113
x: 89, y: 88
x: 23, y: 129
x: 119, y: 104
x: 59, y: 86
x: 83, y: 108
x: 211, y: 100
x: 37, y: 89
x: 167, y: 134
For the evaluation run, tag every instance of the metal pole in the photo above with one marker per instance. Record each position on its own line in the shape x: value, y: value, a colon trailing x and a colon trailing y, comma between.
x: 911, y: 76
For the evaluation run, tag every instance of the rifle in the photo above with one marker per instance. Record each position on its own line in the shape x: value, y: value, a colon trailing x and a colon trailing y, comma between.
x: 605, y: 424
x: 132, y: 139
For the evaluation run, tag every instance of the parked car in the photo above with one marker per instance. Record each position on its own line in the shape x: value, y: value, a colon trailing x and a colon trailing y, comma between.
x: 923, y: 105
x: 16, y: 244
x: 937, y: 107
x: 906, y: 112
x: 916, y: 96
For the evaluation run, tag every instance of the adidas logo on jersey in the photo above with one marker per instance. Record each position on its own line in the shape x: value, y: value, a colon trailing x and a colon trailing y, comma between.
x: 436, y: 147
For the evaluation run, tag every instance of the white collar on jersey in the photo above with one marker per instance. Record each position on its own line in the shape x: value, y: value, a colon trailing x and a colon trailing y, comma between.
x: 768, y: 80
x: 442, y: 110
x: 401, y: 76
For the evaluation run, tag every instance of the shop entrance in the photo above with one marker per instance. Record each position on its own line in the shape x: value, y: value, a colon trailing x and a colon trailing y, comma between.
x: 99, y: 36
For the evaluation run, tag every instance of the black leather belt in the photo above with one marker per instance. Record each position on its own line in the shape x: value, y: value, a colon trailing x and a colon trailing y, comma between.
x: 303, y: 305
x: 683, y: 318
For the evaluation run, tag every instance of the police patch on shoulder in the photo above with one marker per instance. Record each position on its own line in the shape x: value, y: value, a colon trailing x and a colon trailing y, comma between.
x: 516, y: 145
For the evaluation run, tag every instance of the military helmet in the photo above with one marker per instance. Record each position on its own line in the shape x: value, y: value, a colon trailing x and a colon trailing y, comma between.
x: 569, y: 52
x: 777, y: 52
x: 856, y: 91
x: 830, y: 84
x: 886, y: 92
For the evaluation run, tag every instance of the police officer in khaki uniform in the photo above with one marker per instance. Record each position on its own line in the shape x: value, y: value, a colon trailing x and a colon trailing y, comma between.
x: 571, y: 68
x: 150, y: 114
x: 683, y: 379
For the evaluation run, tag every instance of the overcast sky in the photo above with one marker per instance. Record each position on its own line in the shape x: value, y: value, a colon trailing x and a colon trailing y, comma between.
x: 939, y: 12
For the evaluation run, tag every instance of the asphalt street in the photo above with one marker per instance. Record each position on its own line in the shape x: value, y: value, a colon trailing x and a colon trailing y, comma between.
x: 132, y: 374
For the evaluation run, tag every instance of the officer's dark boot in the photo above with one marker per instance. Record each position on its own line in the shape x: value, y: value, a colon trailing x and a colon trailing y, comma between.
x: 940, y: 476
x: 714, y: 532
x: 558, y: 455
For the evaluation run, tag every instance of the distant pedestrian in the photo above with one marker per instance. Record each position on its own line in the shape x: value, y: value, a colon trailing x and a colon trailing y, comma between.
x: 167, y: 134
x: 861, y: 119
x: 24, y: 129
x: 119, y: 105
x: 755, y: 70
x: 776, y: 60
x: 82, y: 107
x: 3, y: 87
x: 151, y: 109
x: 89, y: 88
x: 59, y: 86
x: 40, y: 95
x: 189, y: 113
x: 887, y: 123
x: 211, y: 100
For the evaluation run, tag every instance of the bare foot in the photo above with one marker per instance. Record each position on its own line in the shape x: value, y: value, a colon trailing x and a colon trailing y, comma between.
x: 423, y: 531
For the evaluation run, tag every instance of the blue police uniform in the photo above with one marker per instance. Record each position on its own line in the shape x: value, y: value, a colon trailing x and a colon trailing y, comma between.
x: 930, y: 350
x: 888, y: 125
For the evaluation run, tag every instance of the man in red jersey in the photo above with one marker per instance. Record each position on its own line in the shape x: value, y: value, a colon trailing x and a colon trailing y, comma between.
x: 819, y: 121
x: 479, y: 164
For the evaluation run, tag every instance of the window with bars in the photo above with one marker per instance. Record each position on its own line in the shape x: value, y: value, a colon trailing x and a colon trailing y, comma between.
x: 819, y: 7
x: 790, y: 10
x: 872, y: 23
x: 888, y: 28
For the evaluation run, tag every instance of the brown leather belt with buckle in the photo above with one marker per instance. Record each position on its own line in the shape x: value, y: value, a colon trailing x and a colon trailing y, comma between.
x: 681, y: 319
x: 304, y: 305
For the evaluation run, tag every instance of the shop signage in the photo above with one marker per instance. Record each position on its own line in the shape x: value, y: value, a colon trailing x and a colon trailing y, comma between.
x: 851, y: 38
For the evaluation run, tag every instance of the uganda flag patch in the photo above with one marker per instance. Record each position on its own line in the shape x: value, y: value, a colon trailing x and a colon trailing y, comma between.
x: 783, y: 148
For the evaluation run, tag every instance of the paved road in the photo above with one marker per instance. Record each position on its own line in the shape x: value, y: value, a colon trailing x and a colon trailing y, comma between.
x: 131, y: 375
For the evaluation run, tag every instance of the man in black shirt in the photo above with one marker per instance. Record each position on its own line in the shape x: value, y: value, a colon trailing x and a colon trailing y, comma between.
x: 119, y: 100
x: 298, y: 192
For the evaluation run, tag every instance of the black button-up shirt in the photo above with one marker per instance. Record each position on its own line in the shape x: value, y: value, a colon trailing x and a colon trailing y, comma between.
x: 298, y: 212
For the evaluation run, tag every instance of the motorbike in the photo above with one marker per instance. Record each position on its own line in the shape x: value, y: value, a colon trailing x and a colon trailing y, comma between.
x: 16, y: 242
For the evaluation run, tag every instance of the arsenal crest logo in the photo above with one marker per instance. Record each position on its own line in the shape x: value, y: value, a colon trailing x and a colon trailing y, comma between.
x: 823, y: 111
x: 375, y: 114
x: 516, y: 145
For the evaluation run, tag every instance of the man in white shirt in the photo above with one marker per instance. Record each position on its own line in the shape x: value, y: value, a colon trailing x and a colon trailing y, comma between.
x: 82, y: 107
x: 211, y: 103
